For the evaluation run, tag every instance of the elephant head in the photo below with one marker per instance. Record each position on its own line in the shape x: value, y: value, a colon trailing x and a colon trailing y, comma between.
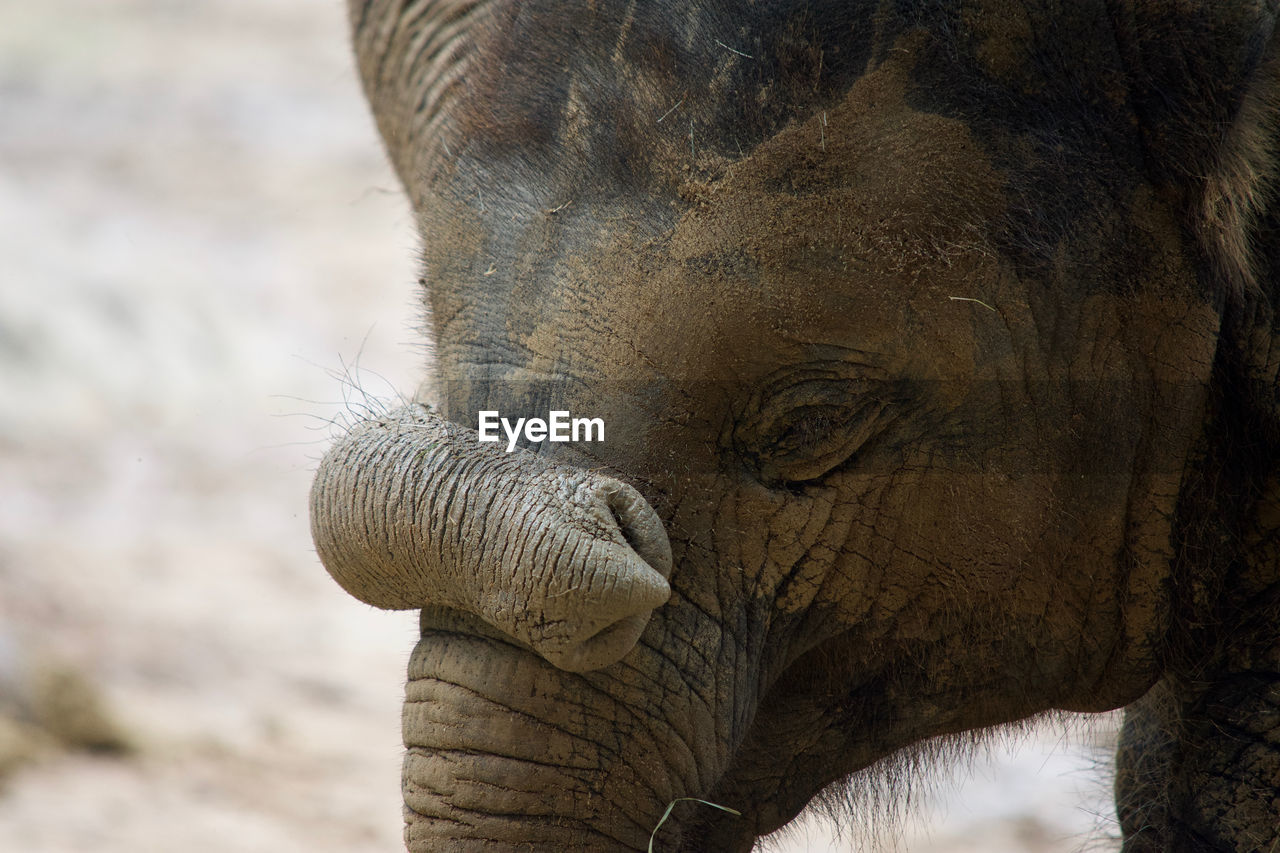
x: 935, y: 348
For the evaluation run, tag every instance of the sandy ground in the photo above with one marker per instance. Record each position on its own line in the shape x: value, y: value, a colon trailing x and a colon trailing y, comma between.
x: 200, y: 248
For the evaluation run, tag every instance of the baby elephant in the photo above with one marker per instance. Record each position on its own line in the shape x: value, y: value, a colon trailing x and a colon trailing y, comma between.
x: 927, y: 362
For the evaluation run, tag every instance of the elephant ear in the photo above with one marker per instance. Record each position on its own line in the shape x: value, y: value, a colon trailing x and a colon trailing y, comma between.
x: 1205, y: 83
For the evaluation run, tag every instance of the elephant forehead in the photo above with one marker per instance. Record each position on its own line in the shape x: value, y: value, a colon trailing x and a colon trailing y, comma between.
x: 853, y: 228
x: 875, y: 223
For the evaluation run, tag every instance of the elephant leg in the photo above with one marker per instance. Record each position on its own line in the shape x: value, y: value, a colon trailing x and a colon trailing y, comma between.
x: 1198, y: 767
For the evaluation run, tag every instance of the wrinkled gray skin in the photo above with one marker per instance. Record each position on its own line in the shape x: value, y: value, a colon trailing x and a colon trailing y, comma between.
x: 587, y: 549
x: 936, y: 347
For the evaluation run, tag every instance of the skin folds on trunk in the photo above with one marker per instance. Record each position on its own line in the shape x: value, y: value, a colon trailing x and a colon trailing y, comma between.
x: 410, y: 511
x: 494, y: 761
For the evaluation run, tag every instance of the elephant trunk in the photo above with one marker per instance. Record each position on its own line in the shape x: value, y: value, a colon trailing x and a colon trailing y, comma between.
x: 412, y: 511
x: 504, y: 754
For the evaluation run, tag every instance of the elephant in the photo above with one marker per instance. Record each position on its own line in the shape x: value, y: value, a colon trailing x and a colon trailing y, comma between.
x: 934, y: 350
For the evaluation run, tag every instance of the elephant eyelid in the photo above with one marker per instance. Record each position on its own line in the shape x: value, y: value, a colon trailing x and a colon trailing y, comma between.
x: 813, y: 427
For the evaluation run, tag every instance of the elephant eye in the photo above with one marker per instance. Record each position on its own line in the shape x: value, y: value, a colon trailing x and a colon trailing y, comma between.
x: 806, y: 429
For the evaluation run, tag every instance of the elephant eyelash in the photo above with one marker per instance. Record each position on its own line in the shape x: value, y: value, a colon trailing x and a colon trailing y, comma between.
x: 796, y: 442
x: 810, y: 430
x: 813, y: 444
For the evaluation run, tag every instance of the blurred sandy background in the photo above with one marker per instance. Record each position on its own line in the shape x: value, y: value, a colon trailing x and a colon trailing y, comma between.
x: 201, y: 249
